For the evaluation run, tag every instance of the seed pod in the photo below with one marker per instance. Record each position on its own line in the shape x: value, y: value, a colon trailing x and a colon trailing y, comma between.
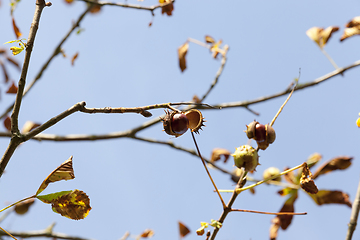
x: 247, y: 157
x: 175, y: 123
x: 196, y: 120
x: 262, y: 134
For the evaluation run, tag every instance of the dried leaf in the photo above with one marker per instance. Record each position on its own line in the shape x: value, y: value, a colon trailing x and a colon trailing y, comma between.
x: 306, y: 181
x: 201, y: 230
x: 12, y: 89
x: 148, y: 233
x: 182, y: 51
x: 329, y: 197
x: 321, y: 36
x: 168, y: 8
x: 64, y: 172
x: 7, y: 123
x: 184, y: 230
x: 74, y: 58
x: 23, y: 207
x: 349, y: 32
x: 354, y: 22
x: 28, y: 126
x: 285, y: 220
x: 339, y: 163
x: 71, y: 204
x: 209, y: 39
x: 17, y: 32
x: 313, y: 159
x: 95, y: 9
x: 274, y: 228
x: 217, y: 153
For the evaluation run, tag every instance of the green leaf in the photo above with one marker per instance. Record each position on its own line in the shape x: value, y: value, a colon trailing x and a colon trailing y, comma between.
x: 49, y: 198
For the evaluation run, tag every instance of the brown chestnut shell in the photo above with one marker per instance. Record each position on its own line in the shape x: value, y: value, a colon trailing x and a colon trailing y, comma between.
x: 196, y: 120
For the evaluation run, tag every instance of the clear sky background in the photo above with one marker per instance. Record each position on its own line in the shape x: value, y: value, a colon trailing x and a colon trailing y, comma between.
x: 125, y: 63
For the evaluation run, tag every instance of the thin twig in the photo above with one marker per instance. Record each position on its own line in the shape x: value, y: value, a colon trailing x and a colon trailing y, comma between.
x: 207, y: 171
x: 268, y: 213
x: 125, y: 5
x: 354, y: 215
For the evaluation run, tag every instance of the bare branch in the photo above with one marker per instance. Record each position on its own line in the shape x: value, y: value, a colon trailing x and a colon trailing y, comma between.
x: 125, y: 5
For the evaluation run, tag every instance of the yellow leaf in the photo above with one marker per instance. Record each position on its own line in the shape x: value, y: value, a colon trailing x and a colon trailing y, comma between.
x: 71, y: 204
x: 215, y: 48
x: 16, y: 50
x: 182, y: 51
x: 314, y: 34
x: 321, y: 36
x: 64, y: 172
x: 358, y: 122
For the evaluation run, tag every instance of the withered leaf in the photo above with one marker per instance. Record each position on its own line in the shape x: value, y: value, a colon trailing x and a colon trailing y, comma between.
x: 321, y: 36
x: 217, y: 153
x: 12, y: 89
x: 338, y: 163
x: 148, y: 233
x: 71, y: 204
x: 354, y: 22
x: 329, y: 197
x: 184, y: 230
x: 313, y: 159
x: 64, y: 172
x: 17, y: 32
x: 209, y: 39
x: 167, y: 8
x: 349, y: 32
x: 7, y: 123
x: 74, y: 58
x: 306, y: 181
x: 28, y: 126
x: 274, y: 228
x: 285, y: 220
x: 182, y: 51
x: 23, y: 207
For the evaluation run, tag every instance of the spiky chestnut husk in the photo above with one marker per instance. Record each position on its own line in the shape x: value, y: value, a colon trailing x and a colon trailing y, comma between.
x: 247, y: 157
x: 272, y: 171
x: 175, y: 123
x: 196, y: 120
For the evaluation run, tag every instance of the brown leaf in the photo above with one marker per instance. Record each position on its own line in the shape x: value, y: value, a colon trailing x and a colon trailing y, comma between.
x: 354, y: 22
x: 209, y: 39
x: 329, y: 197
x: 285, y: 220
x: 217, y: 153
x: 306, y: 181
x: 7, y: 123
x: 184, y: 230
x: 182, y: 51
x: 74, y: 58
x: 349, y: 32
x: 64, y: 172
x: 18, y: 34
x: 12, y: 89
x: 95, y: 9
x: 28, y: 126
x: 23, y: 207
x: 148, y: 233
x: 168, y: 8
x: 338, y: 163
x: 326, y: 34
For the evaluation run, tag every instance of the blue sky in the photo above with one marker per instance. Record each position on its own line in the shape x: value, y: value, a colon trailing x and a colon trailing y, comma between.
x: 125, y: 63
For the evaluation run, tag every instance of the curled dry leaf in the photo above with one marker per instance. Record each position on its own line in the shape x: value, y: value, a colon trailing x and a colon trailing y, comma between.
x: 306, y: 181
x: 74, y: 58
x: 184, y: 230
x: 28, y: 126
x: 321, y: 36
x: 17, y: 32
x: 182, y: 51
x: 313, y: 159
x: 168, y: 8
x: 354, y: 22
x: 338, y: 163
x: 71, y: 204
x: 217, y: 153
x: 349, y: 32
x: 329, y: 197
x: 64, y: 172
x: 148, y: 233
x: 209, y: 39
x: 274, y: 228
x: 7, y: 123
x: 23, y: 207
x: 12, y: 89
